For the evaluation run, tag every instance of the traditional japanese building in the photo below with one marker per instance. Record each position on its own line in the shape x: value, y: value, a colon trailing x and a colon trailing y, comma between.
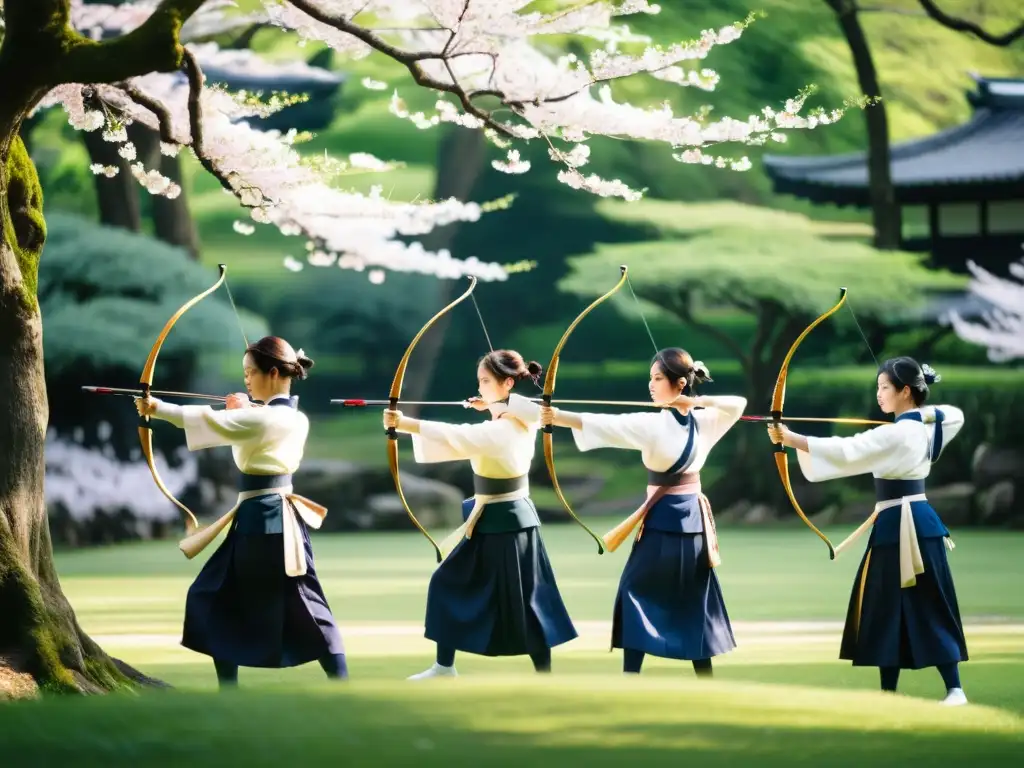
x: 960, y: 191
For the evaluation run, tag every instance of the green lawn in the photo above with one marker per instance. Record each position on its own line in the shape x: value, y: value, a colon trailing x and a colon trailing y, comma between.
x: 781, y: 698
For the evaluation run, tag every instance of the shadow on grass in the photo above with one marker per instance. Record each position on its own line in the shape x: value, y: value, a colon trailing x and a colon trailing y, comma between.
x: 506, y: 720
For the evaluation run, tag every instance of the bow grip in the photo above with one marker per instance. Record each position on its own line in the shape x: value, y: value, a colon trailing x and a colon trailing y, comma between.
x: 776, y: 420
x: 392, y: 432
x: 546, y: 399
x: 144, y: 422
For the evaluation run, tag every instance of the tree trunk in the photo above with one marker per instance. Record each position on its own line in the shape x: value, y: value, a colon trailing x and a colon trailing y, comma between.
x: 172, y: 221
x: 884, y: 211
x: 460, y: 159
x: 39, y: 634
x: 117, y: 198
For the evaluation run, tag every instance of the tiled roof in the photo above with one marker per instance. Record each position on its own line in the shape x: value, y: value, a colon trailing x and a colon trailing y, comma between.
x: 988, y: 149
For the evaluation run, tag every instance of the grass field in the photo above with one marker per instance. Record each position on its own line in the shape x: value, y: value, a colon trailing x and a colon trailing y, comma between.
x: 781, y: 698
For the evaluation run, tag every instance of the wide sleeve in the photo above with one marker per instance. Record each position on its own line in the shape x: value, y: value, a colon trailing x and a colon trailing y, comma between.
x: 952, y: 422
x: 631, y: 431
x: 877, y: 451
x: 717, y: 419
x: 437, y: 441
x: 524, y: 409
x: 207, y: 428
x: 169, y: 412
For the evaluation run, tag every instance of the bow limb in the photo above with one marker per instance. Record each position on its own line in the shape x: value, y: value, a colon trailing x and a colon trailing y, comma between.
x: 549, y: 388
x: 778, y: 401
x: 146, y: 380
x: 393, y: 399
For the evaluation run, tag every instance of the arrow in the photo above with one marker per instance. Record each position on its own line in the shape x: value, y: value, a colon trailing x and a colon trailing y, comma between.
x: 138, y: 393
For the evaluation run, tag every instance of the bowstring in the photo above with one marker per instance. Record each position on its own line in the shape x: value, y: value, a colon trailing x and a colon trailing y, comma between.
x: 482, y: 323
x: 642, y: 317
x: 235, y: 310
x: 861, y: 332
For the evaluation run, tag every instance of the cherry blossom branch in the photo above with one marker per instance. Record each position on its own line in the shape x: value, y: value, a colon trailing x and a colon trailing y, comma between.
x: 367, y: 36
x: 162, y: 115
x: 194, y: 73
x: 411, y: 59
x: 962, y: 25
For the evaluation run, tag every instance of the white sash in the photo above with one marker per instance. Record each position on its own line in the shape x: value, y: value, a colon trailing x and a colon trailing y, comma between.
x: 294, y: 552
x: 911, y: 562
x: 480, y: 500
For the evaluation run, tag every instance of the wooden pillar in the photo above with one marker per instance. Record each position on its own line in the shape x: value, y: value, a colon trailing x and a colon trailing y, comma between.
x: 933, y: 231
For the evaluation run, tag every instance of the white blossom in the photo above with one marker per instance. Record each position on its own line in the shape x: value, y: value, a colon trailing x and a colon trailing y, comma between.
x: 110, y: 171
x: 514, y: 164
x: 465, y: 49
x: 86, y: 482
x: 1002, y: 327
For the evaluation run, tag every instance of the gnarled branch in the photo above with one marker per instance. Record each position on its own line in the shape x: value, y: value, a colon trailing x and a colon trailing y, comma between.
x: 969, y: 27
x: 159, y: 111
x: 411, y: 60
x: 195, y: 126
x: 154, y: 46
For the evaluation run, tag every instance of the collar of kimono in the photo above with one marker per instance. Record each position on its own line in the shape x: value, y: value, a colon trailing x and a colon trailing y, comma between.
x: 393, y: 399
x: 778, y: 400
x: 146, y: 380
x: 549, y: 389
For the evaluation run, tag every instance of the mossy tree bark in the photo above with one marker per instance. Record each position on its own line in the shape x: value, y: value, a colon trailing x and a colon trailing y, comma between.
x: 39, y: 633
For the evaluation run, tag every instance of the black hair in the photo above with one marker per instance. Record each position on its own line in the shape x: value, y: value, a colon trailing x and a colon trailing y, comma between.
x: 272, y: 352
x: 906, y: 372
x: 509, y: 364
x: 678, y: 365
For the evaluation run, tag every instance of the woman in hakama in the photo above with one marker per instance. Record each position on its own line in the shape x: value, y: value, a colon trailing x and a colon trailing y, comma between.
x: 257, y: 601
x: 903, y: 611
x: 495, y: 594
x: 669, y: 602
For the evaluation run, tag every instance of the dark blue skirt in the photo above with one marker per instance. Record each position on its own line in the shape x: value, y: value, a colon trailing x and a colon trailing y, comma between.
x: 496, y: 595
x: 243, y: 608
x: 669, y: 602
x: 909, y: 628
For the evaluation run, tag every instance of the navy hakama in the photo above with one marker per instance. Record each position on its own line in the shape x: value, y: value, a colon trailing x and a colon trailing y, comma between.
x: 669, y: 602
x: 496, y: 594
x: 244, y: 609
x: 888, y: 625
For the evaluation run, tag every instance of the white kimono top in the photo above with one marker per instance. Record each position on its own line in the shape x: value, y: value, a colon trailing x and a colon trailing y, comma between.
x: 264, y: 440
x: 662, y: 438
x: 499, y: 448
x: 901, y: 451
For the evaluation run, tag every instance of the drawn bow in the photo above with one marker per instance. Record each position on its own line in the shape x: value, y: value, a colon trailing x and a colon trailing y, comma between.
x: 549, y: 389
x: 393, y: 398
x: 146, y: 381
x: 778, y: 400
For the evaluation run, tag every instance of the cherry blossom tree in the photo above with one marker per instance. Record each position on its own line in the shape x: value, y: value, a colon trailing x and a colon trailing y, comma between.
x: 1002, y: 328
x: 493, y: 66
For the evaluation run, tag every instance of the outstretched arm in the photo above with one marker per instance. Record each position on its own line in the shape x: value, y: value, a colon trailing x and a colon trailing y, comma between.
x: 205, y: 427
x: 560, y: 418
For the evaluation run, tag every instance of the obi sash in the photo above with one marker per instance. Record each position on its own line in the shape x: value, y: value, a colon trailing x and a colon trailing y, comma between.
x: 486, y: 490
x: 676, y: 481
x: 251, y: 487
x: 890, y: 494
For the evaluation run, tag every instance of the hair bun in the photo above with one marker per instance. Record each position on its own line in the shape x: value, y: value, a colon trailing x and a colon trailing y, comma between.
x: 701, y: 373
x: 930, y: 374
x: 534, y: 369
